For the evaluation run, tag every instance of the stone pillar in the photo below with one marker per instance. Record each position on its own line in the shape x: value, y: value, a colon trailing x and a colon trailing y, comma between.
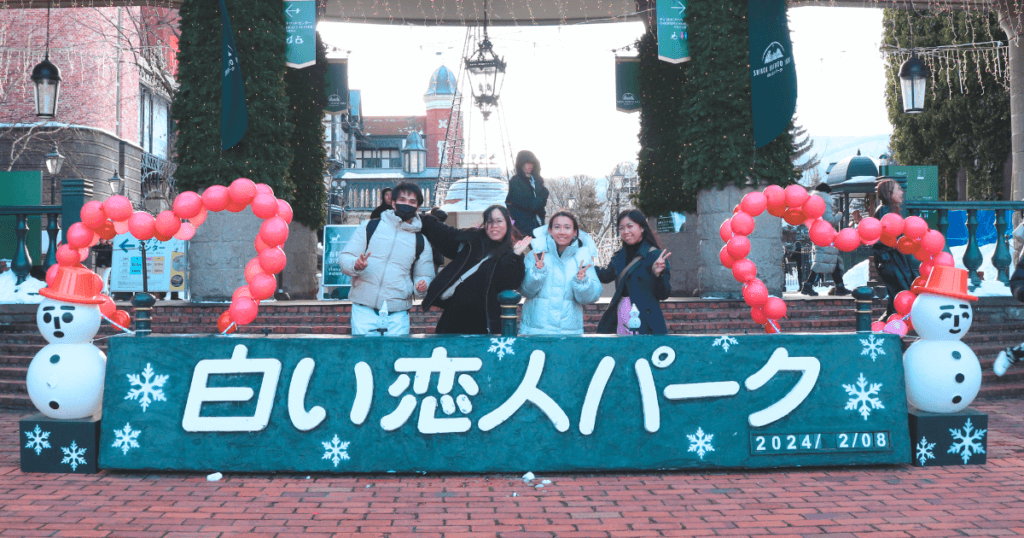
x: 299, y: 280
x: 218, y: 253
x: 1008, y: 20
x: 74, y: 193
x: 767, y: 251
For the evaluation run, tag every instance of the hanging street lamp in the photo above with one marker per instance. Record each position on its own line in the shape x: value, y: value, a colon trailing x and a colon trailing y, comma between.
x: 486, y: 73
x: 913, y: 77
x: 46, y: 78
x: 116, y: 183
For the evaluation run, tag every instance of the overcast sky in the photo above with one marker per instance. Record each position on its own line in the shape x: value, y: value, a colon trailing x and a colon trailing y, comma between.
x: 558, y: 98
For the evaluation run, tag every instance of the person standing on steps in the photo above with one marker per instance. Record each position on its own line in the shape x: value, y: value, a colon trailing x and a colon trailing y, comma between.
x: 527, y: 194
x: 893, y: 266
x: 642, y: 279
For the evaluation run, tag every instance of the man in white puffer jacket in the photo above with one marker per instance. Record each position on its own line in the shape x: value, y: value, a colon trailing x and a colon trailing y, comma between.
x: 554, y: 293
x: 388, y: 270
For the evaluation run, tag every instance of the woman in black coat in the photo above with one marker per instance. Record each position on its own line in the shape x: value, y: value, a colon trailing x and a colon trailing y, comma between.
x: 892, y: 266
x: 642, y: 279
x: 527, y: 194
x: 484, y: 262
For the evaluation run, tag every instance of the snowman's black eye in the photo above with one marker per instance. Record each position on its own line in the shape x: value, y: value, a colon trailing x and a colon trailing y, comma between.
x: 47, y: 317
x: 67, y: 317
x: 966, y: 315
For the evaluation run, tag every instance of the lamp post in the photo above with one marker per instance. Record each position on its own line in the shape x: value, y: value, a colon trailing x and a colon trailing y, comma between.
x: 54, y: 161
x: 46, y: 78
x: 116, y: 183
x: 913, y: 77
x: 486, y: 73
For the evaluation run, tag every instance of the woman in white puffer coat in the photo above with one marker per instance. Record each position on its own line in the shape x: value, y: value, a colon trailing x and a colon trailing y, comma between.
x: 560, y: 278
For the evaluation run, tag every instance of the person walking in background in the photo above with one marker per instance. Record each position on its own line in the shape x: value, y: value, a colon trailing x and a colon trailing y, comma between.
x: 826, y: 259
x: 560, y: 278
x: 892, y: 265
x: 642, y: 279
x: 485, y: 261
x: 527, y: 194
x: 1012, y: 355
x: 385, y: 204
x: 389, y: 260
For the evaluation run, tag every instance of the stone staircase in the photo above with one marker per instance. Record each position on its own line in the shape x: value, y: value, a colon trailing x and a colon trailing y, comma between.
x: 998, y: 323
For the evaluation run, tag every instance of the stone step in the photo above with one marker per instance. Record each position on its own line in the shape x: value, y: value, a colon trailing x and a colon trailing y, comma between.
x: 16, y: 401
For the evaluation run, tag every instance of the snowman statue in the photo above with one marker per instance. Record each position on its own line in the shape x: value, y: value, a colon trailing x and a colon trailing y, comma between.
x: 65, y: 379
x: 943, y: 375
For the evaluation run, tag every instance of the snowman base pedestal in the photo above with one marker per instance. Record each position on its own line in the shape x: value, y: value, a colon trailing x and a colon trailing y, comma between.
x: 59, y: 446
x: 959, y: 438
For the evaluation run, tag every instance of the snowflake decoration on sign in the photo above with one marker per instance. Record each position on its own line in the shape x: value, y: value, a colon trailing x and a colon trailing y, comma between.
x: 967, y: 441
x: 73, y: 456
x: 335, y: 450
x: 37, y: 440
x: 924, y: 450
x: 863, y: 397
x: 502, y: 346
x: 700, y: 443
x: 872, y: 347
x: 149, y: 386
x: 126, y: 438
x: 726, y: 342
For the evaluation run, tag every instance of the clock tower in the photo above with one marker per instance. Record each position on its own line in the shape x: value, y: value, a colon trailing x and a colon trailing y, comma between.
x: 443, y: 127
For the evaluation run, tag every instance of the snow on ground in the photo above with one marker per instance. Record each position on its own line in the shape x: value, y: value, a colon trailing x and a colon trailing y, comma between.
x: 990, y: 286
x: 26, y: 293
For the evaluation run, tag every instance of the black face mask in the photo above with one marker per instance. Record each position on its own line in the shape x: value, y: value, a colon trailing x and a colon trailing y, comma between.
x: 405, y: 211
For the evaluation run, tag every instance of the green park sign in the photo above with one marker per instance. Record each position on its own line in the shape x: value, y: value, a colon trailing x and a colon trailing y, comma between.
x: 481, y: 404
x: 300, y: 25
x: 672, y: 44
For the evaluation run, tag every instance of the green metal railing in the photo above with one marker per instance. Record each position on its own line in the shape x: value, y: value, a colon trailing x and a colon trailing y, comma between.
x: 972, y: 259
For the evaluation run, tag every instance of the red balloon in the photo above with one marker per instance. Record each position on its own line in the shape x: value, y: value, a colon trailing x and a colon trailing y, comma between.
x: 272, y: 260
x: 869, y: 229
x: 725, y: 230
x: 264, y: 206
x: 892, y: 224
x: 241, y: 291
x: 161, y: 237
x: 903, y: 301
x: 263, y: 188
x: 774, y: 308
x: 79, y: 236
x: 284, y: 210
x: 914, y: 227
x: 725, y: 258
x: 242, y: 191
x: 167, y: 224
x: 186, y: 232
x: 224, y: 323
x: 758, y: 316
x: 889, y: 240
x: 738, y: 247
x: 933, y: 242
x: 877, y: 326
x: 252, y: 269
x: 51, y: 273
x: 742, y: 224
x: 142, y: 226
x: 735, y: 209
x: 260, y: 245
x: 107, y: 307
x: 776, y: 198
x: 925, y: 269
x: 921, y: 254
x: 236, y: 207
x: 243, y: 310
x: 907, y: 245
x: 744, y: 270
x: 199, y: 219
x: 771, y: 328
x: 263, y: 286
x: 918, y: 282
x: 215, y: 198
x: 117, y: 208
x: 847, y: 240
x: 67, y: 256
x: 822, y: 233
x: 796, y: 195
x: 107, y: 231
x: 943, y: 258
x: 814, y: 207
x: 274, y: 231
x: 754, y: 203
x: 187, y: 205
x: 755, y: 293
x: 794, y: 217
x: 893, y: 317
x: 92, y: 215
x: 121, y: 318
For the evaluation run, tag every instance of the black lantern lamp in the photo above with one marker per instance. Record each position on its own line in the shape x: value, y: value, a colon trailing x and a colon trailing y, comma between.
x: 54, y: 161
x: 116, y: 183
x: 913, y: 77
x: 486, y: 73
x: 414, y: 154
x: 46, y: 78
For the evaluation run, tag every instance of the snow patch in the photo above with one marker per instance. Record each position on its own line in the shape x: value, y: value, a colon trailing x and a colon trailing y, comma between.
x: 26, y: 293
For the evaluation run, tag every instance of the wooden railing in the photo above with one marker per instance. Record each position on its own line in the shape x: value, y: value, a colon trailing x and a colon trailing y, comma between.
x: 972, y: 259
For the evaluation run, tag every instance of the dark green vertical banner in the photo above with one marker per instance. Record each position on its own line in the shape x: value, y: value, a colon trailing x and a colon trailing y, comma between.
x: 627, y: 83
x: 337, y: 85
x: 672, y: 31
x: 772, y: 71
x: 234, y: 115
x: 21, y: 188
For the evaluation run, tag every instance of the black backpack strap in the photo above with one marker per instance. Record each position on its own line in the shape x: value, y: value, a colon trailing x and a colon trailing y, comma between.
x: 370, y: 228
x: 420, y: 245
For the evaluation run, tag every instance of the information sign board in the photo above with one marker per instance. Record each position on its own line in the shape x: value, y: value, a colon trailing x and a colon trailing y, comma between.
x: 300, y: 25
x: 165, y: 268
x: 335, y: 239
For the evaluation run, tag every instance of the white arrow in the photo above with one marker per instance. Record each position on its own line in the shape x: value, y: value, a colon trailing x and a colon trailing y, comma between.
x: 289, y: 11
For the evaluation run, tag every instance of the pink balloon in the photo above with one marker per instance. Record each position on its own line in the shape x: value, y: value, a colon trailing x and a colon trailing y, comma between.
x: 738, y: 247
x: 877, y: 326
x: 167, y: 224
x: 795, y: 197
x: 921, y: 254
x: 933, y: 242
x: 757, y: 314
x: 272, y: 260
x: 200, y: 218
x: 186, y: 232
x: 776, y: 198
x: 889, y: 240
x: 252, y: 269
x: 187, y: 205
x: 215, y: 198
x: 907, y: 245
x: 263, y: 286
x: 243, y: 310
x: 742, y: 223
x: 118, y: 208
x: 264, y: 206
x: 107, y: 231
x: 892, y: 224
x: 274, y: 231
x: 83, y: 254
x: 822, y: 233
x: 943, y: 258
x: 263, y: 188
x: 914, y: 227
x: 79, y: 235
x: 774, y: 308
x: 242, y: 191
x: 725, y: 230
x: 754, y: 203
x: 794, y: 217
x: 925, y: 269
x: 142, y: 226
x: 744, y: 270
x: 107, y: 307
x: 67, y: 256
x: 51, y: 273
x: 92, y: 215
x: 725, y: 258
x: 236, y: 207
x: 241, y: 291
x: 755, y: 293
x: 869, y: 229
x: 284, y: 210
x: 847, y: 240
x: 260, y: 245
x: 814, y: 207
x: 121, y: 227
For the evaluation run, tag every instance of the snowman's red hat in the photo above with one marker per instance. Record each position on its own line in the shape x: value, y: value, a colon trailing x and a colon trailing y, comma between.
x: 75, y: 285
x: 947, y: 281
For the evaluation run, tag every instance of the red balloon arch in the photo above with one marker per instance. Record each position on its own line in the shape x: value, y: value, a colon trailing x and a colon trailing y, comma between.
x: 796, y: 206
x: 115, y: 216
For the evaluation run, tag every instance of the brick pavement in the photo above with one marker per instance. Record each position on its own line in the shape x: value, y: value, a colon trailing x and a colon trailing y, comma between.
x: 879, y: 501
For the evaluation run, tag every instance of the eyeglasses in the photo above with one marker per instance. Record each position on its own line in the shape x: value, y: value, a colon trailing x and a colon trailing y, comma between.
x: 494, y: 223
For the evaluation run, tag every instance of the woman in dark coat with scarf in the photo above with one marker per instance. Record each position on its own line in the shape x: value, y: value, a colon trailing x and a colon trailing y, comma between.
x: 892, y: 265
x: 527, y: 194
x: 484, y: 262
x: 642, y: 279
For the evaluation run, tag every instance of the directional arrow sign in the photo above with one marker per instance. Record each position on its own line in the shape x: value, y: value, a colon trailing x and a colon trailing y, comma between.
x: 124, y: 244
x: 301, y: 28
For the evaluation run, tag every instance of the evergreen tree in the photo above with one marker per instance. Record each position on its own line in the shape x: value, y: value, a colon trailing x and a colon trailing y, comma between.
x: 957, y: 127
x: 263, y: 155
x: 696, y: 125
x: 307, y: 95
x: 802, y: 145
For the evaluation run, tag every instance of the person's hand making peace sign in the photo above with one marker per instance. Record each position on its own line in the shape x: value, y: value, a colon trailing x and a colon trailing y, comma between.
x: 659, y: 264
